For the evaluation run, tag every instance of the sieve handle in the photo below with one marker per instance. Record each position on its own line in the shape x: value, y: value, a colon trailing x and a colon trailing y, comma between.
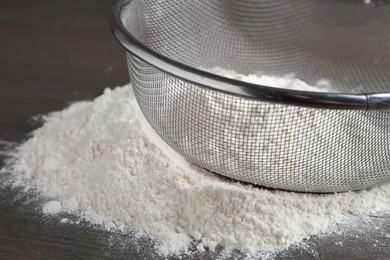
x: 378, y: 101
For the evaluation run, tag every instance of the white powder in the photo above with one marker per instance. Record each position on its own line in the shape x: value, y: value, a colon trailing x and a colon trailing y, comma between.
x: 101, y: 160
x: 289, y: 81
x: 52, y: 207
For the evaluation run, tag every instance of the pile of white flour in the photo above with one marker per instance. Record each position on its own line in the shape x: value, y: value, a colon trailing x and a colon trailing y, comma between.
x: 101, y: 160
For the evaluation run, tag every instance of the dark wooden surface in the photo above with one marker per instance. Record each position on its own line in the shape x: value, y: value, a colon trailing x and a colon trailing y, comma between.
x: 56, y: 52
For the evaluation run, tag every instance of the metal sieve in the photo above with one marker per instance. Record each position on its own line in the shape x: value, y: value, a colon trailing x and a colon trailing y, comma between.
x: 285, y: 139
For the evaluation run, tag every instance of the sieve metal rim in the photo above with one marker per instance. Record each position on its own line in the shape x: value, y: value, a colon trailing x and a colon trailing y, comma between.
x: 323, y: 100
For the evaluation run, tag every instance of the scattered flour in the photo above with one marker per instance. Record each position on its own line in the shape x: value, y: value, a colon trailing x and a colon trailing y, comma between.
x: 52, y: 207
x: 65, y: 220
x: 101, y: 160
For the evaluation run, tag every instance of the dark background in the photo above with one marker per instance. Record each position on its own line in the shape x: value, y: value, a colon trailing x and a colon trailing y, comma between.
x: 53, y: 53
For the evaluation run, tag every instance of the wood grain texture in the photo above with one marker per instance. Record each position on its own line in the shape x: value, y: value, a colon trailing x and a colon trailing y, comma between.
x: 56, y: 52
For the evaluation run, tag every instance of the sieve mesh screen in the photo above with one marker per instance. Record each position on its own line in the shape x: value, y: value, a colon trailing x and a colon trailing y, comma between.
x: 268, y: 144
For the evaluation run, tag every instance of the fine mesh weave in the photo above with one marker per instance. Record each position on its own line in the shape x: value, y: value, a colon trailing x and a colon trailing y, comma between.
x: 344, y: 41
x: 272, y: 145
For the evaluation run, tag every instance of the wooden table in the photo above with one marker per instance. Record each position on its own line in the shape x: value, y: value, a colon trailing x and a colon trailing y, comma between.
x: 56, y: 52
